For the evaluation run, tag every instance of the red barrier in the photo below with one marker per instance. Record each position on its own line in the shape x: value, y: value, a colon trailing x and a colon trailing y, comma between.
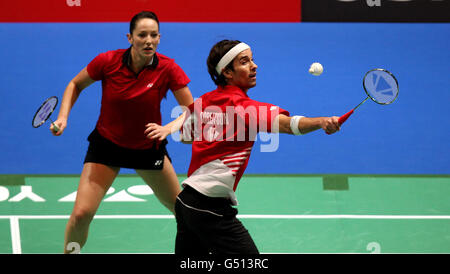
x: 167, y: 10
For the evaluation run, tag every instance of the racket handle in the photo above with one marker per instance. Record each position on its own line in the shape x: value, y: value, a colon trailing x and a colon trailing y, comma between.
x: 344, y: 117
x: 55, y: 128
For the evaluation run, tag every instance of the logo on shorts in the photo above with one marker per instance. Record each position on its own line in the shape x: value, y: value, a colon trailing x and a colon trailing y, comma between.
x: 158, y: 162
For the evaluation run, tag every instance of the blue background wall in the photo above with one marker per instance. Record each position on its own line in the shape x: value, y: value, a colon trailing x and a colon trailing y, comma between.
x: 411, y: 136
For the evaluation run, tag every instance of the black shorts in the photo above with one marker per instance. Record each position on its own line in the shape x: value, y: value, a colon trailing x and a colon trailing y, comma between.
x: 209, y: 225
x: 103, y: 151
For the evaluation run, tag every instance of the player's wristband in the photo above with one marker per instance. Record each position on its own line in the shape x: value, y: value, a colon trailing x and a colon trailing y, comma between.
x: 294, y: 124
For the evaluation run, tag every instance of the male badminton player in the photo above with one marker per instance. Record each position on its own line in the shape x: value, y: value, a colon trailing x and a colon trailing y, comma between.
x: 221, y: 125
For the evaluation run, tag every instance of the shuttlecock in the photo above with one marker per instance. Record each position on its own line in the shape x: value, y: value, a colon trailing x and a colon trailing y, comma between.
x: 316, y: 69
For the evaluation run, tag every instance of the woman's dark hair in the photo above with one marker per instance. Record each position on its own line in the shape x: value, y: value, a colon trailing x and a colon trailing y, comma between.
x: 142, y: 15
x: 216, y: 53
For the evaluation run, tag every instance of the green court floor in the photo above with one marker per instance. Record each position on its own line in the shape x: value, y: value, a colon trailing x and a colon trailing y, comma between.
x: 284, y: 214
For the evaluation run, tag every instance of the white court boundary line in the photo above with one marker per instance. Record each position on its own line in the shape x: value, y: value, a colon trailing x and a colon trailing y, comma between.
x: 242, y: 216
x: 17, y: 245
x: 15, y: 235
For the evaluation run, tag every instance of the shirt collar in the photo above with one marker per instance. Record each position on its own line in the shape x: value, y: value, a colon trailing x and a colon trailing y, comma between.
x: 126, y: 60
x: 231, y: 89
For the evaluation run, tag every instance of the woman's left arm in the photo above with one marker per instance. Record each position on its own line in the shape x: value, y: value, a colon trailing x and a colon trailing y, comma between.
x: 183, y: 96
x: 155, y: 131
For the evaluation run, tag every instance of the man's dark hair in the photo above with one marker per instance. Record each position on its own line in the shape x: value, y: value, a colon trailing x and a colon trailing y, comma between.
x: 216, y: 53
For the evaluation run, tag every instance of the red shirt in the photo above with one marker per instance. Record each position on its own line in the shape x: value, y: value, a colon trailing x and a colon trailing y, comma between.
x: 223, y: 125
x: 130, y: 100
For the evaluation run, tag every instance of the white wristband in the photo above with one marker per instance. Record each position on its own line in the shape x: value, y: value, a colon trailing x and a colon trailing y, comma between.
x: 294, y: 124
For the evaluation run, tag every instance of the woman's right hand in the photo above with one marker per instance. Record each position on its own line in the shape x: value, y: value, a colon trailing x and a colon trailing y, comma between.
x: 61, y: 124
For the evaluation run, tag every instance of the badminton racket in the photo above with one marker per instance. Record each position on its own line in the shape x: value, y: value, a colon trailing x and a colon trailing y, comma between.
x: 44, y: 111
x: 380, y: 85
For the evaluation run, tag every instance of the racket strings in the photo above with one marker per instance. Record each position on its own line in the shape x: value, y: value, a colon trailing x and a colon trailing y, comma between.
x: 44, y: 111
x: 381, y: 86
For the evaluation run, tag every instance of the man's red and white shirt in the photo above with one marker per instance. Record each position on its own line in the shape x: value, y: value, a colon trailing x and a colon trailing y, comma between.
x: 223, y: 125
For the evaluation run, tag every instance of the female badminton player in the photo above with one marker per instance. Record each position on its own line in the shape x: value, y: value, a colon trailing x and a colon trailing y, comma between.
x: 134, y: 82
x: 221, y: 124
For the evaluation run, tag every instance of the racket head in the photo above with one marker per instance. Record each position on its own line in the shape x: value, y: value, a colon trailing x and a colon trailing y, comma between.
x: 44, y: 111
x: 381, y: 86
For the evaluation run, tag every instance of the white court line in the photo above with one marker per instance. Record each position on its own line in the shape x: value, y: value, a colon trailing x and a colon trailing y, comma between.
x: 346, y: 216
x: 243, y: 216
x: 15, y: 235
x: 17, y: 248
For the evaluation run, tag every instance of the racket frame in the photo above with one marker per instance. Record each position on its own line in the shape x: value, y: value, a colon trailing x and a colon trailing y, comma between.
x: 49, y: 114
x: 344, y: 117
x: 370, y: 96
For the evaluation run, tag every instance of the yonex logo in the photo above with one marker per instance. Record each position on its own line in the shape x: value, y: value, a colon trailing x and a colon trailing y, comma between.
x: 126, y: 195
x: 377, y: 84
x: 72, y: 3
x: 26, y: 192
x: 150, y: 85
x: 158, y: 162
x: 381, y: 86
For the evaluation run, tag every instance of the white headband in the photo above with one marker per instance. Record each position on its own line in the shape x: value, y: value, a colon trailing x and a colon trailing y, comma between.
x: 229, y: 56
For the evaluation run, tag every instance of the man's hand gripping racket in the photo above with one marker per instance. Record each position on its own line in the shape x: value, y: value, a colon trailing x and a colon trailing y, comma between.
x: 380, y: 85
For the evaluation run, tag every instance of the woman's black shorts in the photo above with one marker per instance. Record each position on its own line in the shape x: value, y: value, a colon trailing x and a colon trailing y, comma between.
x: 103, y: 151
